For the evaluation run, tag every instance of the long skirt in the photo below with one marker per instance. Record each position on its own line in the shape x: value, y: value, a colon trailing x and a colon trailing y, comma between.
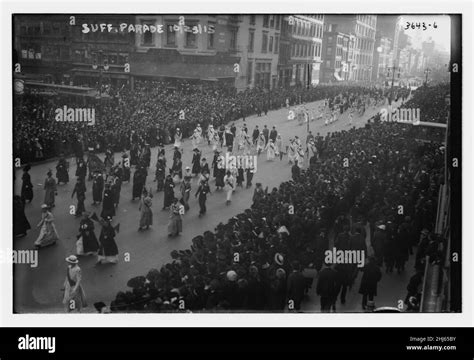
x: 49, y: 196
x: 87, y: 244
x: 146, y: 218
x: 48, y: 235
x: 175, y: 225
x: 108, y: 253
x: 71, y: 301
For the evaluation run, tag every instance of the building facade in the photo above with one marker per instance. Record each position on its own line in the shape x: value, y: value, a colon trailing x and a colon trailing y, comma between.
x: 306, y: 48
x: 337, y: 55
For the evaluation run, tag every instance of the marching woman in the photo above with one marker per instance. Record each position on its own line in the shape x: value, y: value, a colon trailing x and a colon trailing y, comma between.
x: 125, y: 168
x: 20, y: 222
x: 108, y: 251
x: 215, y: 163
x: 26, y: 185
x: 178, y: 136
x: 291, y: 151
x: 186, y: 192
x: 199, y: 133
x: 175, y: 225
x: 74, y: 296
x: 299, y: 160
x: 62, y: 171
x: 50, y: 190
x: 202, y: 192
x: 229, y: 182
x: 80, y: 191
x: 260, y: 143
x: 196, y: 162
x: 146, y: 214
x: 271, y: 150
x: 48, y: 234
x: 160, y: 172
x: 279, y: 146
x: 169, y: 192
x: 195, y: 139
x: 204, y: 166
x: 247, y: 145
x: 108, y: 207
x: 139, y: 180
x: 87, y: 243
x: 97, y: 187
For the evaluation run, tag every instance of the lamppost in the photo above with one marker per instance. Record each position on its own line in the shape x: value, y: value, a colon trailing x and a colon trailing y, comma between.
x: 105, y: 67
x: 427, y: 72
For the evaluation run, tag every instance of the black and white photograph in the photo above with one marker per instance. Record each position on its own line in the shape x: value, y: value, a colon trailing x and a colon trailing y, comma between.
x: 236, y: 163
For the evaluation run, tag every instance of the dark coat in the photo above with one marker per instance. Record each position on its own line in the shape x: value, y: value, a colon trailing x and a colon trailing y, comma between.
x: 370, y: 278
x: 327, y: 283
x: 296, y: 286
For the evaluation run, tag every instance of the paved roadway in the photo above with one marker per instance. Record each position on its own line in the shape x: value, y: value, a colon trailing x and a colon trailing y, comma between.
x: 38, y: 289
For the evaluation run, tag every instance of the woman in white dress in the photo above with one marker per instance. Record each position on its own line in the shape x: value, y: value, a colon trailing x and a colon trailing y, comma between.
x: 74, y: 295
x: 48, y: 234
x: 291, y: 151
x: 178, y: 136
x: 271, y: 150
x: 260, y: 143
x: 229, y: 186
x: 300, y: 156
x: 195, y: 139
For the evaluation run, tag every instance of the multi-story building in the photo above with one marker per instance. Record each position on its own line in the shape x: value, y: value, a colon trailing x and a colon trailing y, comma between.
x: 337, y: 55
x: 363, y: 28
x: 258, y: 46
x: 306, y: 48
x: 382, y: 58
x: 193, y: 47
x: 285, y: 67
x: 100, y: 50
x: 42, y: 46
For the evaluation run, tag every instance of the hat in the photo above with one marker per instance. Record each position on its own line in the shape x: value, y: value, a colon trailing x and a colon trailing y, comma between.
x: 231, y: 275
x: 381, y: 227
x: 188, y: 168
x: 280, y: 273
x: 425, y: 231
x: 279, y: 259
x: 44, y: 206
x: 72, y: 259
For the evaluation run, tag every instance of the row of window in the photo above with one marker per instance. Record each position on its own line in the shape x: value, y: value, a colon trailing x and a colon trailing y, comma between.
x: 363, y: 59
x: 370, y: 20
x: 306, y: 28
x: 306, y: 50
x: 269, y: 43
x: 365, y: 45
x: 268, y: 21
x: 363, y: 30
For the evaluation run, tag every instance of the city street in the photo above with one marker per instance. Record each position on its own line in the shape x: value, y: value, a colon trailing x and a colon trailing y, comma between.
x: 39, y: 289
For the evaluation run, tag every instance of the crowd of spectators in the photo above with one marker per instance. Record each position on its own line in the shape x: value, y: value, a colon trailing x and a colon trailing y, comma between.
x: 377, y: 177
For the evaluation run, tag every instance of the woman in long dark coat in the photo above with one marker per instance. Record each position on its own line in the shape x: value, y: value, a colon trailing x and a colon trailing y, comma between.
x: 139, y: 179
x: 97, y: 188
x: 50, y: 190
x: 26, y: 185
x: 20, y: 222
x: 80, y: 191
x: 62, y: 171
x: 108, y: 250
x: 368, y: 284
x: 90, y: 245
x: 108, y: 208
x: 169, y: 192
x: 196, y: 162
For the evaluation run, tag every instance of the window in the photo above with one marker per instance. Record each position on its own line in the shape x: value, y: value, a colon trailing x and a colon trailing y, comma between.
x: 252, y: 19
x: 328, y: 63
x: 264, y: 42
x: 272, y: 22
x: 277, y: 22
x: 191, y: 38
x: 233, y: 39
x: 210, y: 40
x: 251, y: 41
x: 265, y: 20
x: 270, y: 44
x: 170, y: 36
x: 329, y: 51
x: 277, y: 44
x: 147, y: 37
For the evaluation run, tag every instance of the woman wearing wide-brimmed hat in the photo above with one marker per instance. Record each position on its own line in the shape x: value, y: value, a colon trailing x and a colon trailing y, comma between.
x: 48, y: 234
x: 87, y: 243
x: 74, y: 295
